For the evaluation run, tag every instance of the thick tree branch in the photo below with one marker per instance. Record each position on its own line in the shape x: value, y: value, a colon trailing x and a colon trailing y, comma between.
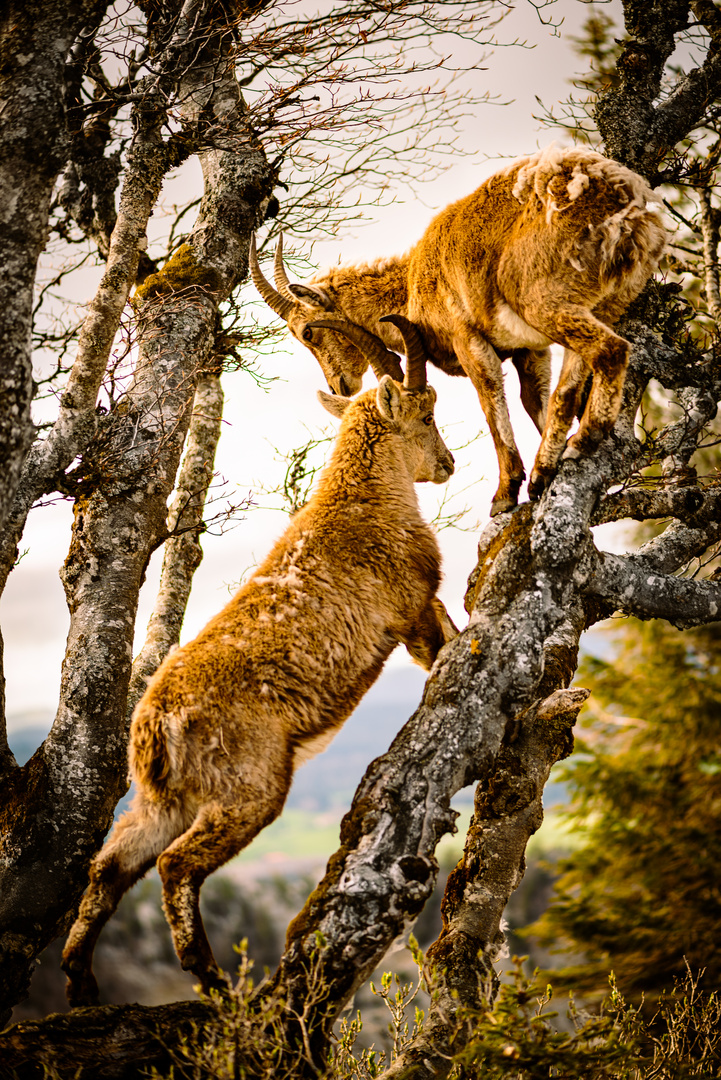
x: 710, y: 233
x: 708, y: 14
x: 183, y: 553
x: 119, y: 1041
x: 689, y: 502
x: 626, y: 114
x: 681, y: 542
x: 76, y: 422
x: 683, y: 109
x: 639, y: 125
x: 508, y: 810
x: 124, y: 482
x: 656, y: 358
x: 631, y: 584
x: 679, y: 441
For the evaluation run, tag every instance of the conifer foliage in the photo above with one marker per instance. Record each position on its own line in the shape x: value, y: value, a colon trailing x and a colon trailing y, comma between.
x: 642, y: 894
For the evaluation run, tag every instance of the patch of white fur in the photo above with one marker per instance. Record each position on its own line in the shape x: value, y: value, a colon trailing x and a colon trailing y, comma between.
x: 578, y: 183
x: 533, y: 168
x: 174, y: 731
x: 510, y: 331
x: 311, y: 747
x: 537, y: 171
x: 290, y: 576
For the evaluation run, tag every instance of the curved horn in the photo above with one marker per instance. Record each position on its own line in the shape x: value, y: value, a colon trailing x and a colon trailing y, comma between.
x: 282, y: 281
x: 281, y: 305
x: 382, y: 360
x: 416, y: 353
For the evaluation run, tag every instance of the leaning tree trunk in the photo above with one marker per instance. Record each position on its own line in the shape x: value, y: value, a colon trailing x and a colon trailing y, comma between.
x: 35, y: 43
x: 57, y: 808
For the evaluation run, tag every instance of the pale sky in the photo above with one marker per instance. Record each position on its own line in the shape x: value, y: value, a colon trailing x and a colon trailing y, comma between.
x: 32, y: 611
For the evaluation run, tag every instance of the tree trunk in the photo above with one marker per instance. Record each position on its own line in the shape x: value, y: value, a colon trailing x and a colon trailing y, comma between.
x: 58, y: 806
x: 35, y: 43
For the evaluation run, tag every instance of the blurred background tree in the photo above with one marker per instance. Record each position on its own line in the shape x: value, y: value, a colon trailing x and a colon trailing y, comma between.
x: 642, y: 894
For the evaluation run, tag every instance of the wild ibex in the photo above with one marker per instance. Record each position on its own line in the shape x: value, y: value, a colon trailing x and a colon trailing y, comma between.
x: 228, y: 717
x: 552, y: 248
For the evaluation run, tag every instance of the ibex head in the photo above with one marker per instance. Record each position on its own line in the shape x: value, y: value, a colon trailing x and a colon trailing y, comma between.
x: 305, y: 308
x: 406, y: 409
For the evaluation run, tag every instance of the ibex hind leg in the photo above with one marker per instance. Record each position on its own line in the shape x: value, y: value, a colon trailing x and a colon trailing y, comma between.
x: 603, y: 400
x: 562, y: 409
x: 601, y: 351
x: 132, y: 848
x: 218, y: 833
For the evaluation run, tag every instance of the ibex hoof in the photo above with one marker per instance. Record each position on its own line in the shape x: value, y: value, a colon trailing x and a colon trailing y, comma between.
x: 83, y: 992
x: 500, y: 506
x: 571, y: 453
x: 537, y: 485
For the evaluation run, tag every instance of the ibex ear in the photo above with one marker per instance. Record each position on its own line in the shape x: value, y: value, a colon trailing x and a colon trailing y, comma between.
x: 333, y: 404
x: 388, y: 399
x: 312, y: 294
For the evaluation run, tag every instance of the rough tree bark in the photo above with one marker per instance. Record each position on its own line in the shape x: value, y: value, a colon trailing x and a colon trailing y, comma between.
x: 35, y: 42
x: 126, y: 476
x: 497, y: 707
x: 182, y: 553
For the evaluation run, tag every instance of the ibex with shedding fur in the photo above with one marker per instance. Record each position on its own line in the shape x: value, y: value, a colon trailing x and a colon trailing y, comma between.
x: 552, y: 248
x: 228, y: 717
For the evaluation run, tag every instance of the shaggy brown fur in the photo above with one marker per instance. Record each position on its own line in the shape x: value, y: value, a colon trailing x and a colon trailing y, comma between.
x: 551, y: 249
x: 227, y: 718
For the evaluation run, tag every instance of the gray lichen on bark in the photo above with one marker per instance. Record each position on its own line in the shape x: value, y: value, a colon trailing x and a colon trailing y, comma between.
x: 34, y: 41
x: 182, y: 552
x: 121, y: 488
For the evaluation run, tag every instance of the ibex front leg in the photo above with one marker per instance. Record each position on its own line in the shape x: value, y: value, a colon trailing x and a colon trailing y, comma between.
x: 430, y: 633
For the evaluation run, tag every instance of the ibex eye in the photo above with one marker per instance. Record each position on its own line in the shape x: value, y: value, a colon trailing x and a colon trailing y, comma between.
x: 428, y: 420
x: 307, y: 334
